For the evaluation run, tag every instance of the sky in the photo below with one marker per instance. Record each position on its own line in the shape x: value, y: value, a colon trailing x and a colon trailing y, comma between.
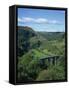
x: 42, y: 20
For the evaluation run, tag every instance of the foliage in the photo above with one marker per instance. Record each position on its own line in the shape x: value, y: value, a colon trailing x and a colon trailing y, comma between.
x: 32, y: 46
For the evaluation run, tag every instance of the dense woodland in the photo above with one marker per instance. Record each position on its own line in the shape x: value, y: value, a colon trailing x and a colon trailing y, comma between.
x: 32, y: 46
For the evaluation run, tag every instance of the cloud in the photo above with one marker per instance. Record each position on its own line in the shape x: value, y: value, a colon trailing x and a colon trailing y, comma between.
x: 25, y: 19
x: 38, y: 20
x: 19, y: 20
x: 54, y: 22
x: 34, y: 20
x: 41, y: 20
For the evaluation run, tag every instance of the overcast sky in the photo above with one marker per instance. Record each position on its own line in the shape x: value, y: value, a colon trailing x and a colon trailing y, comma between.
x: 42, y: 20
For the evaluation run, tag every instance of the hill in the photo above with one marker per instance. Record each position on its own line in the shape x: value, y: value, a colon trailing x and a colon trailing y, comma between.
x: 34, y: 45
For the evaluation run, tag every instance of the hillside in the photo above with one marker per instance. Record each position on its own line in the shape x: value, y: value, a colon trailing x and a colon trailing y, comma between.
x: 34, y: 45
x: 28, y: 39
x: 52, y: 35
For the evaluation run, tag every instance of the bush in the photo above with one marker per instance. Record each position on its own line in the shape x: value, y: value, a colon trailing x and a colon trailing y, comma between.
x: 52, y: 73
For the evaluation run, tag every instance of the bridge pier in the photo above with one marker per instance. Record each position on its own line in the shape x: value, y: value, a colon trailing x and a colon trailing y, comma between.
x: 53, y: 60
x: 56, y: 58
x: 49, y: 61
